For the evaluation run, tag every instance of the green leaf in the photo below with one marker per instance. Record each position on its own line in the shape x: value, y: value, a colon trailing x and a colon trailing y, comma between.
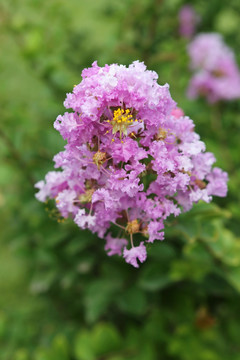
x: 105, y: 339
x: 132, y: 301
x: 227, y: 21
x: 83, y: 349
x: 61, y: 347
x: 233, y: 276
x: 21, y: 354
x: 99, y: 295
x: 225, y: 246
x: 187, y: 269
x: 153, y: 278
x: 161, y: 251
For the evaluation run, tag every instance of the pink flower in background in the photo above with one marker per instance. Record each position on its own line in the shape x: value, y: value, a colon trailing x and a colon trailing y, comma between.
x: 188, y: 20
x: 131, y: 159
x: 216, y: 74
x: 177, y: 112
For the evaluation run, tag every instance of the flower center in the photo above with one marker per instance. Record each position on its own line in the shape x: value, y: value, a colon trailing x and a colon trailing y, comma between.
x: 133, y: 226
x: 122, y: 119
x: 218, y: 73
x: 99, y: 158
x: 87, y: 196
x: 162, y: 134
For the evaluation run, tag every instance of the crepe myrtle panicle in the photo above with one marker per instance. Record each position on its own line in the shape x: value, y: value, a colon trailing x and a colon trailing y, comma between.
x: 216, y: 75
x: 131, y: 159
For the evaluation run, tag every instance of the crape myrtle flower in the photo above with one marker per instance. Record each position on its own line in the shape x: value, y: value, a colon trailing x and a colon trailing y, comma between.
x: 216, y: 74
x: 131, y: 160
x: 188, y: 20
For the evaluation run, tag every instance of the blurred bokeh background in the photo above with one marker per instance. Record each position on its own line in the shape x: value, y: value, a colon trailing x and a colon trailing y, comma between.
x: 61, y: 296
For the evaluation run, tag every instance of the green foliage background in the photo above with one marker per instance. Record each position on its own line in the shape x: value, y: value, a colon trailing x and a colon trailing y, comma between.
x: 61, y: 297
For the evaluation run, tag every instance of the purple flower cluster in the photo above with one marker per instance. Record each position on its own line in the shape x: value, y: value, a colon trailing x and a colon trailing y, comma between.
x: 216, y: 76
x: 188, y: 20
x: 131, y: 159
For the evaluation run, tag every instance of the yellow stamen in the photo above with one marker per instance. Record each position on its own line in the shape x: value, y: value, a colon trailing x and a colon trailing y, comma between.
x: 99, y: 158
x: 132, y: 227
x: 87, y: 196
x: 122, y: 119
x: 162, y: 134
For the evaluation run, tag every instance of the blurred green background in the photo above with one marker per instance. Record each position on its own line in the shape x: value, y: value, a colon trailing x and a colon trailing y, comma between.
x: 61, y: 296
